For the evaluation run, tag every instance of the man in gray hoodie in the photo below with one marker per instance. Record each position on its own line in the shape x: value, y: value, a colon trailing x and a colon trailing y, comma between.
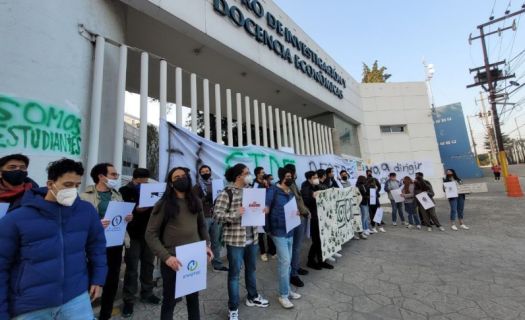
x: 391, y: 184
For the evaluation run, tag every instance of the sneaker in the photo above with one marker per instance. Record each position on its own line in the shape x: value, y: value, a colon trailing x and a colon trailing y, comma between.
x: 313, y: 265
x: 394, y: 223
x: 221, y: 269
x: 296, y: 281
x: 418, y: 227
x: 464, y: 227
x: 274, y: 256
x: 406, y: 223
x: 285, y: 302
x: 409, y: 226
x: 294, y: 295
x: 381, y: 229
x: 374, y: 230
x: 441, y: 229
x: 366, y: 232
x: 127, y: 310
x: 233, y: 315
x: 330, y: 259
x: 356, y: 237
x: 429, y: 229
x: 153, y: 299
x: 338, y: 255
x: 326, y: 265
x: 453, y: 227
x: 264, y: 257
x: 363, y: 236
x: 259, y: 301
x: 302, y: 272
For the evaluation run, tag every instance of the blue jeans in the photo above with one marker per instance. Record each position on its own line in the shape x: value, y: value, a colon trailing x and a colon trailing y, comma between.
x: 365, y: 217
x: 78, y: 308
x: 397, y: 207
x: 236, y: 256
x: 284, y: 256
x: 413, y: 217
x: 213, y: 229
x: 456, y: 207
x: 298, y: 236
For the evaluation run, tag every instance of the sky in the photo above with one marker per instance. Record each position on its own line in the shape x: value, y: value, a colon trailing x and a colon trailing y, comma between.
x: 399, y: 34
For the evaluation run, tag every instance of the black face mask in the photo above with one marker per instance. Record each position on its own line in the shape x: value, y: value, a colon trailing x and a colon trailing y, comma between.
x: 344, y: 178
x: 15, y: 177
x: 206, y: 176
x: 288, y: 182
x: 181, y: 184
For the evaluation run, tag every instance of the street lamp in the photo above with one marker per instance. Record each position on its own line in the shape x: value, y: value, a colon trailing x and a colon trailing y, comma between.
x: 429, y: 74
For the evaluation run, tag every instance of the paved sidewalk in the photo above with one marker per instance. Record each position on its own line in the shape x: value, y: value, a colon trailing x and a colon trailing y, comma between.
x: 405, y: 274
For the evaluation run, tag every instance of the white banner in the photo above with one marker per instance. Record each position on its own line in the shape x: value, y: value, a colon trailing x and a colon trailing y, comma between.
x: 189, y: 150
x: 336, y: 209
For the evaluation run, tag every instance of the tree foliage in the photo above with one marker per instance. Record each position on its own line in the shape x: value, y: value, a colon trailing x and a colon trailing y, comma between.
x: 153, y: 152
x: 375, y: 74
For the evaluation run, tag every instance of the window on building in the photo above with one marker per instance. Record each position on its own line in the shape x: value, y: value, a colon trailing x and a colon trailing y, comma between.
x: 400, y: 128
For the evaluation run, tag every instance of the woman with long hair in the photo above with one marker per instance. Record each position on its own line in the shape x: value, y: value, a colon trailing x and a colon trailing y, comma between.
x: 457, y: 204
x: 177, y: 219
x: 407, y: 192
x: 364, y: 205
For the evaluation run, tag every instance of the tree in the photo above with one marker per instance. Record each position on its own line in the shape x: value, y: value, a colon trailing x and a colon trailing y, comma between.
x: 152, y: 163
x: 374, y: 75
x: 507, y: 141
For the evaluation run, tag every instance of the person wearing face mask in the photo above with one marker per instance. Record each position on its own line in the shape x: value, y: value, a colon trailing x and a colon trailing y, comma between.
x: 52, y: 251
x: 177, y: 219
x: 265, y: 243
x: 138, y: 250
x: 309, y: 190
x: 345, y: 182
x: 276, y: 198
x: 456, y: 204
x: 397, y: 207
x: 241, y: 242
x: 203, y: 191
x: 99, y: 195
x: 299, y: 232
x: 14, y: 180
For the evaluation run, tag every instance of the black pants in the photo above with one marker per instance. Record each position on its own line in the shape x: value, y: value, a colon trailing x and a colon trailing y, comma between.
x: 372, y: 212
x: 271, y: 246
x: 114, y: 260
x: 138, y: 251
x: 168, y: 297
x: 315, y: 254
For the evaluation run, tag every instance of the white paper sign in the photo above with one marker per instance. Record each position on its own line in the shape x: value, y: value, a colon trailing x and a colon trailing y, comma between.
x: 473, y: 188
x: 260, y: 229
x: 379, y: 215
x: 191, y: 277
x: 253, y: 204
x: 291, y: 216
x: 217, y: 185
x: 396, y: 194
x: 116, y: 213
x: 3, y: 209
x: 451, y: 189
x: 150, y: 193
x: 425, y: 200
x: 373, y: 196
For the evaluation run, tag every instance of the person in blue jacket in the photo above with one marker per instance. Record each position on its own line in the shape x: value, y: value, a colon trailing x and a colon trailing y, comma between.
x: 52, y: 251
x: 277, y: 197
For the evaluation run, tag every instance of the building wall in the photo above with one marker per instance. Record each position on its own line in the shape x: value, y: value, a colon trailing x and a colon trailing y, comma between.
x: 45, y: 59
x: 399, y: 104
x: 453, y: 142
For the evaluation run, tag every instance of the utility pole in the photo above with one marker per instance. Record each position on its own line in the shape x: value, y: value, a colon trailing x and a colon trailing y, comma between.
x: 489, y: 77
x: 485, y: 119
x: 473, y: 141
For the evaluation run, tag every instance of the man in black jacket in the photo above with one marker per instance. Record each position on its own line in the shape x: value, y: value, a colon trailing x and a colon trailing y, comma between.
x: 308, y: 192
x: 138, y: 249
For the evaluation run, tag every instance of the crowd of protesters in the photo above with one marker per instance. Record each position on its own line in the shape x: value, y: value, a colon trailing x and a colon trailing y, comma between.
x: 54, y: 262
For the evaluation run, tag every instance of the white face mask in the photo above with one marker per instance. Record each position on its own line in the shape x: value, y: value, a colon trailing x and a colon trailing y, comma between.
x: 315, y: 182
x: 113, y: 183
x: 66, y: 197
x: 248, y: 180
